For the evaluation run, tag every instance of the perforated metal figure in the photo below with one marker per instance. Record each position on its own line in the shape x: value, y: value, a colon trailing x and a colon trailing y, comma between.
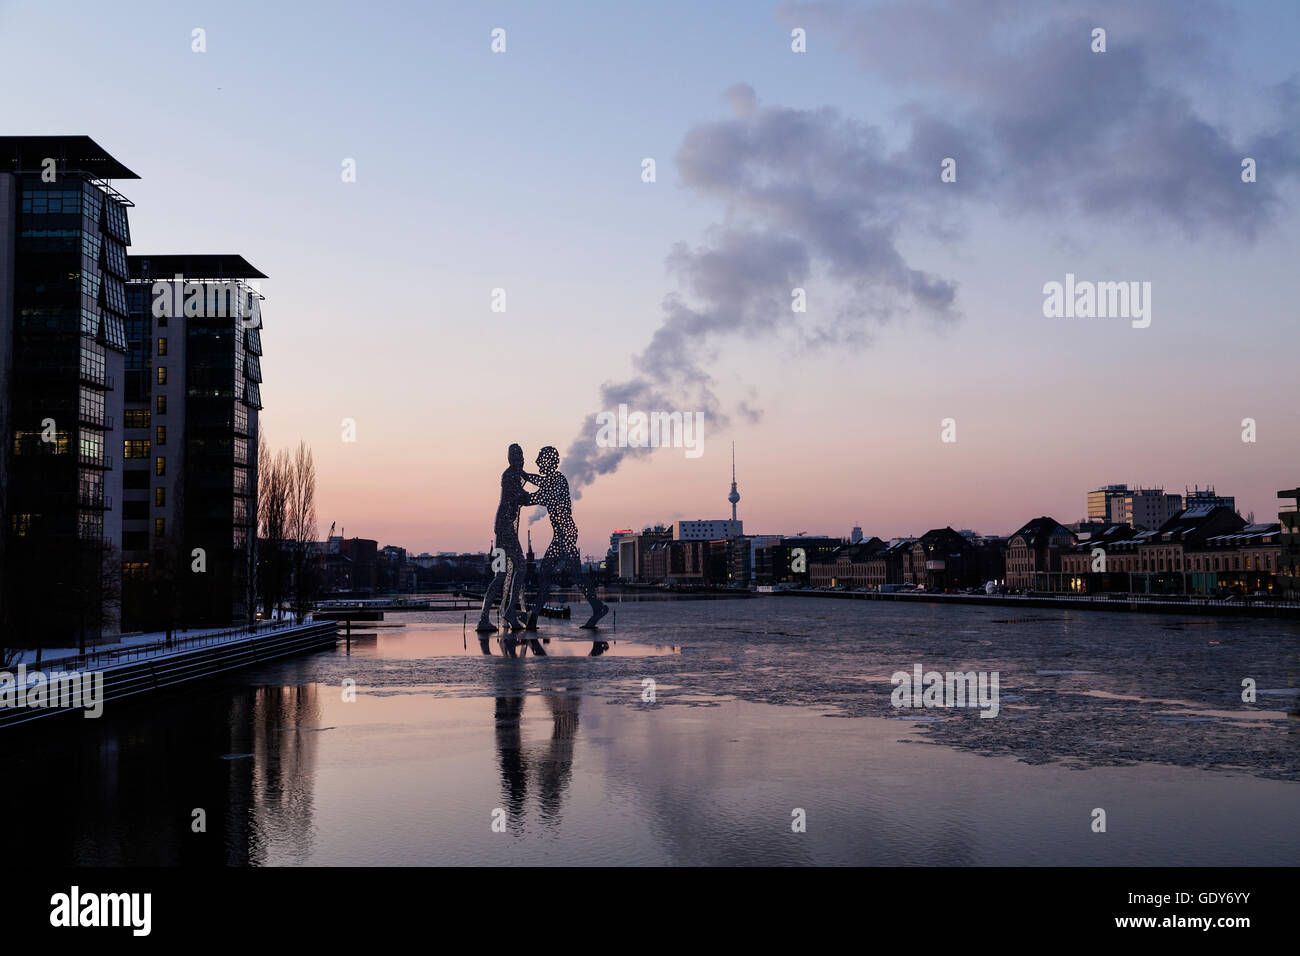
x: 510, y: 582
x: 553, y: 492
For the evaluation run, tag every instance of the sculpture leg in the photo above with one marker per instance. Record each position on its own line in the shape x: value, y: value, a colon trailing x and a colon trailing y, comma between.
x: 543, y: 588
x: 489, y: 598
x: 514, y: 584
x: 598, y: 607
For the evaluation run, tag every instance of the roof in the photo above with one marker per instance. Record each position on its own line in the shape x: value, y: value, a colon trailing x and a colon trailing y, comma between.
x: 1038, y: 532
x: 1110, y: 535
x: 74, y: 154
x: 1250, y: 535
x: 942, y: 536
x: 218, y: 266
x: 866, y: 548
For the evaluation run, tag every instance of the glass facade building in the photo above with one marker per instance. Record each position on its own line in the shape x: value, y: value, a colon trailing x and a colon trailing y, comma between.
x: 64, y: 230
x: 190, y: 447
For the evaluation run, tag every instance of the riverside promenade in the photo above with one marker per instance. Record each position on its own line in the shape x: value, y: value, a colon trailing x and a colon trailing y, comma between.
x: 143, y: 666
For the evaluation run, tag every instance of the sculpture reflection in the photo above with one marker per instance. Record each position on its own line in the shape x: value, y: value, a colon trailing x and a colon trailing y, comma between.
x: 544, y: 768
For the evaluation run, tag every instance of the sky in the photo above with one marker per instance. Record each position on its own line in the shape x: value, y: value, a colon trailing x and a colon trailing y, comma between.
x: 522, y: 170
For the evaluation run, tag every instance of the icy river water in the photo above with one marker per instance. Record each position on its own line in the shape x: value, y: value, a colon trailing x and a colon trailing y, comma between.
x: 731, y: 731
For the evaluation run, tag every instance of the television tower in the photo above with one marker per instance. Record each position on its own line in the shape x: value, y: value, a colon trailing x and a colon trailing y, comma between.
x: 735, y: 495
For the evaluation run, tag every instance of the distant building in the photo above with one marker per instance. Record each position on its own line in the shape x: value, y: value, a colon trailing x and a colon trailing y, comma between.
x: 774, y: 563
x: 634, y: 561
x: 1206, y: 498
x: 701, y: 530
x: 847, y: 565
x: 856, y: 534
x: 1288, y: 576
x: 1200, y: 550
x: 942, y: 560
x: 885, y: 566
x: 1144, y: 508
x: 364, y: 555
x: 1035, y: 549
x: 1099, y: 501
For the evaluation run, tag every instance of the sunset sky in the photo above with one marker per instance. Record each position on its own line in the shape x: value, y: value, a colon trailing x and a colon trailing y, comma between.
x: 522, y: 170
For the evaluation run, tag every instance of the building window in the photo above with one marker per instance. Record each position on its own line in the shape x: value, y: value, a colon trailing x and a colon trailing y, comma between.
x: 160, y: 497
x: 160, y: 466
x: 162, y: 345
x: 160, y: 435
x: 162, y: 404
x: 159, y: 527
x: 162, y: 374
x: 135, y: 448
x: 137, y: 418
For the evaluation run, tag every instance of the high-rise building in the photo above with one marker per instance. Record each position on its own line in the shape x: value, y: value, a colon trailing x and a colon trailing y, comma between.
x: 63, y: 273
x: 1205, y: 497
x: 190, y: 443
x: 1099, y: 501
x: 1145, y: 508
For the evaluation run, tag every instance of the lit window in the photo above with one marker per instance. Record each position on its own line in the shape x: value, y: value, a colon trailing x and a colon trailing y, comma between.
x: 162, y: 404
x: 162, y: 374
x: 160, y: 496
x: 160, y: 435
x: 159, y: 526
x: 160, y: 466
x: 162, y: 346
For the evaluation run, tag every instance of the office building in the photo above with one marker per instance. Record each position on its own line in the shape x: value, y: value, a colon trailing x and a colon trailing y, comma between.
x: 707, y: 530
x: 1206, y: 498
x: 1099, y: 501
x: 1145, y: 508
x: 63, y: 270
x: 189, y: 450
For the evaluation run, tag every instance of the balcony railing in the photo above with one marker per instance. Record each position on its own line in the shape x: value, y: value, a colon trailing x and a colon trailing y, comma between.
x: 96, y: 461
x: 97, y: 378
x: 95, y: 502
x: 101, y: 421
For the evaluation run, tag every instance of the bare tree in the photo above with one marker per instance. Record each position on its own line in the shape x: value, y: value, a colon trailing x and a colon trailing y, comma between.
x: 94, y: 595
x: 274, y: 474
x: 301, y: 522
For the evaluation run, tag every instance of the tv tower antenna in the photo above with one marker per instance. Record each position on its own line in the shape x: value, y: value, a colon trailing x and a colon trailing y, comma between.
x: 734, y: 497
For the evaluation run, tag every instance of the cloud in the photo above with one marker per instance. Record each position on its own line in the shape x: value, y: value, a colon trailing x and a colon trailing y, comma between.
x: 1039, y: 125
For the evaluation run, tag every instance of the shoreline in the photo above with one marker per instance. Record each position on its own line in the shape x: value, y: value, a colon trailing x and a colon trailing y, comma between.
x: 1153, y: 606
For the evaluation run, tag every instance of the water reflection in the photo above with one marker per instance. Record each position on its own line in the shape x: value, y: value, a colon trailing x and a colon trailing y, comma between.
x: 130, y: 790
x: 547, y: 768
x: 522, y: 646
